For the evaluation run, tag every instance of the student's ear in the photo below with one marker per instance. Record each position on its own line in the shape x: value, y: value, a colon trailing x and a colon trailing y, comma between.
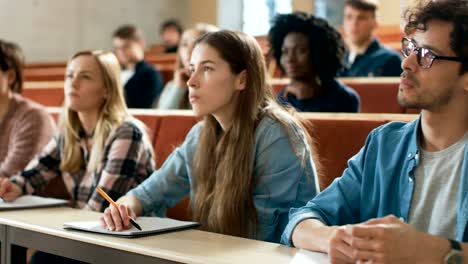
x: 241, y: 80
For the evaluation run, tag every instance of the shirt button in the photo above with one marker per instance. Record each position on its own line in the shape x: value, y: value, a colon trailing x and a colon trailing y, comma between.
x: 409, y: 155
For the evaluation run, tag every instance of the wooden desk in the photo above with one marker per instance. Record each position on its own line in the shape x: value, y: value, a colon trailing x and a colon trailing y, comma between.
x: 41, y: 229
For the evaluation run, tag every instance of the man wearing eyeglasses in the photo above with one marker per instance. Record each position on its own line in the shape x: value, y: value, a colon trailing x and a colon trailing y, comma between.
x: 404, y: 196
x: 366, y: 56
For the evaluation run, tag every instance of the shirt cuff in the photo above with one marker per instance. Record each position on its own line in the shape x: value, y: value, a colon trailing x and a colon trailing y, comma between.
x: 294, y: 220
x: 147, y: 203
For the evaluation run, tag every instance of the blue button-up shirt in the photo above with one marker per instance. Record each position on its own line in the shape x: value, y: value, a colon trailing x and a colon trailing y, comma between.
x: 282, y: 179
x: 379, y: 181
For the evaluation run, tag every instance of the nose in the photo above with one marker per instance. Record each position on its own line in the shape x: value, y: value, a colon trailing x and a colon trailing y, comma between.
x: 290, y: 56
x: 192, y: 82
x: 410, y: 63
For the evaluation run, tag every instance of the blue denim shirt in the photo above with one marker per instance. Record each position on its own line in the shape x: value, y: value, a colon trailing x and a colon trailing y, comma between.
x: 282, y: 179
x: 379, y: 181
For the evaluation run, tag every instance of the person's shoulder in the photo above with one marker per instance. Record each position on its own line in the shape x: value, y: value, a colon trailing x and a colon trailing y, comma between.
x: 345, y: 90
x: 384, y: 52
x: 396, y: 130
x: 270, y: 129
x: 29, y: 109
x: 129, y: 129
x: 146, y: 67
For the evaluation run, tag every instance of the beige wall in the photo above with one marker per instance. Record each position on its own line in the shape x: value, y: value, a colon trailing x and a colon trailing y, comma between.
x: 203, y: 11
x: 52, y: 30
x: 303, y: 5
x: 389, y: 12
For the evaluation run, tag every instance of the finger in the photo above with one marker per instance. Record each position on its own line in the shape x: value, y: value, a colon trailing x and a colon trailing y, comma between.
x: 358, y: 243
x: 124, y: 215
x: 131, y: 213
x: 108, y: 219
x: 339, y: 247
x: 9, y: 196
x: 367, y: 231
x: 3, y: 187
x: 102, y: 221
x: 116, y: 218
x: 363, y: 256
x: 389, y: 219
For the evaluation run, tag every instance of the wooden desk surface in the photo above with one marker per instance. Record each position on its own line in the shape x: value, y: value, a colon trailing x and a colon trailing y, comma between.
x: 187, y: 246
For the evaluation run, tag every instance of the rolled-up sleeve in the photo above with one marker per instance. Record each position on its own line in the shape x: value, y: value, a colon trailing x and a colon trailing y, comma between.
x: 338, y: 204
x: 168, y: 185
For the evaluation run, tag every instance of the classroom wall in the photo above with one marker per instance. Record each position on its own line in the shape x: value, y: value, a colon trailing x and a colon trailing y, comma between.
x: 203, y: 11
x: 52, y: 30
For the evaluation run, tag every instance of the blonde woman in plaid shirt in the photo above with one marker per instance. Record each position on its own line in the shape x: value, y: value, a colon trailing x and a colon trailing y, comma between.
x: 99, y: 143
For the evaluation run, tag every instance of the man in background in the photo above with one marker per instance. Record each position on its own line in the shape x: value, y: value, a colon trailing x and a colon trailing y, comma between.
x: 171, y: 33
x: 142, y: 82
x: 366, y: 56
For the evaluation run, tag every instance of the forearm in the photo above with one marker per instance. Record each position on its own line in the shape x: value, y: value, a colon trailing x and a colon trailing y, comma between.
x: 132, y: 202
x: 313, y: 235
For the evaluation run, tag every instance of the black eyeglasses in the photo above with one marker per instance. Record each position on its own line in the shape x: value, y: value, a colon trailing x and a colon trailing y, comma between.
x: 425, y: 56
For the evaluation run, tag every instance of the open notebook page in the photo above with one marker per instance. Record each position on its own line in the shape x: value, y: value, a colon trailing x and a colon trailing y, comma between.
x: 31, y: 201
x: 149, y: 225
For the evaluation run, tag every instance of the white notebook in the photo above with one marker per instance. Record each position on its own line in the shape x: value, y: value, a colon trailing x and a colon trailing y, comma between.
x: 305, y: 256
x: 31, y: 201
x: 149, y: 225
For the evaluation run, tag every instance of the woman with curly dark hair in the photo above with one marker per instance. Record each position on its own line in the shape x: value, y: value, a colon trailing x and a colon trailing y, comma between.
x: 310, y: 52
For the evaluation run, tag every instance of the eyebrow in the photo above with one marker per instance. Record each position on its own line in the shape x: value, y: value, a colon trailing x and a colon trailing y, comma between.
x: 80, y: 72
x: 204, y: 62
x: 429, y: 47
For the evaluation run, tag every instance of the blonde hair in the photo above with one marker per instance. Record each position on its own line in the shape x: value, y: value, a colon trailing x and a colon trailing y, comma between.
x: 222, y: 168
x: 112, y: 113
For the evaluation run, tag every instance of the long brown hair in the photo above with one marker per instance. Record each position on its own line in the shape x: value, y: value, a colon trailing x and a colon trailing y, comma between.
x: 223, y: 163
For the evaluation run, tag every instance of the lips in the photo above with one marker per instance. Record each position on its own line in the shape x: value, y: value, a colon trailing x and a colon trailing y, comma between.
x: 193, y: 98
x: 406, y: 81
x: 73, y: 94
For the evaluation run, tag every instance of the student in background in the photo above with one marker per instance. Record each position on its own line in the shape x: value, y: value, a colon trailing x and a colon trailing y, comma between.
x: 99, y: 143
x: 25, y: 126
x: 310, y: 52
x: 175, y: 93
x: 404, y: 196
x: 366, y: 56
x: 142, y: 82
x: 245, y: 164
x: 171, y: 32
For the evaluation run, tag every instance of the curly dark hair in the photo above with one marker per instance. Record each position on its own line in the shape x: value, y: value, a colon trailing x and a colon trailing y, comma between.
x: 12, y: 58
x: 326, y: 46
x: 454, y: 11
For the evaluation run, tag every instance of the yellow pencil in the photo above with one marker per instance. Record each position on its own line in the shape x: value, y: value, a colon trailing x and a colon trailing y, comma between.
x: 107, y: 197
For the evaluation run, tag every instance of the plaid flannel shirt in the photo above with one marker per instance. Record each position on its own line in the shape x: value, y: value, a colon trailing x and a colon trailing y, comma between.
x: 127, y: 160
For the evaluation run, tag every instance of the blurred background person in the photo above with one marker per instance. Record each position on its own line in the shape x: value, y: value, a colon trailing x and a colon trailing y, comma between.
x: 25, y: 126
x: 310, y: 52
x: 142, y: 82
x: 366, y: 56
x: 175, y: 93
x: 171, y: 33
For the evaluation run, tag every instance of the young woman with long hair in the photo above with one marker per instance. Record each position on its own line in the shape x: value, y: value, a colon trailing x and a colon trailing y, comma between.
x: 245, y: 165
x: 98, y: 144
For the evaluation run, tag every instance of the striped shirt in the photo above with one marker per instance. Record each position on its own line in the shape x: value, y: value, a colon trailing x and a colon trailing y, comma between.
x: 127, y: 160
